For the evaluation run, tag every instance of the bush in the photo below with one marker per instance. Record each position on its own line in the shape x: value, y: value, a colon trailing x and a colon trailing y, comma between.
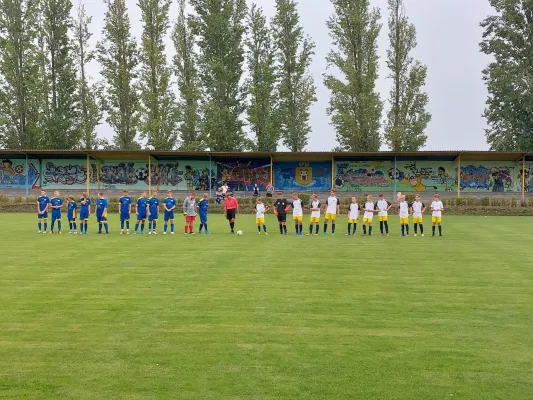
x: 305, y: 197
x: 4, y: 199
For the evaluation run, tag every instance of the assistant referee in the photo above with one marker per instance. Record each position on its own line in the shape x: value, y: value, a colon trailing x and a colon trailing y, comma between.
x: 231, y: 206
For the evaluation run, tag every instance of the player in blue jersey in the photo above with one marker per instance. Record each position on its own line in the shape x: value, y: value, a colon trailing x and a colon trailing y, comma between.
x: 170, y: 205
x: 101, y: 213
x: 85, y: 211
x: 43, y: 202
x: 56, y: 203
x: 125, y: 212
x: 203, y: 205
x: 153, y: 213
x: 72, y: 209
x: 140, y: 210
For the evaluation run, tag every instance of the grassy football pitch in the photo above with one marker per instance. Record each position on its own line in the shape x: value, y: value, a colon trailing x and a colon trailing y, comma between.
x: 253, y: 317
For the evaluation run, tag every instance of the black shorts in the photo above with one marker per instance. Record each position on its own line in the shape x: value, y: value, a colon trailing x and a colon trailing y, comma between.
x: 230, y: 214
x: 282, y: 217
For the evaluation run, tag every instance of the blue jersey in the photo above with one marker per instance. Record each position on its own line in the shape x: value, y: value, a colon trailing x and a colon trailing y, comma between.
x: 101, y: 207
x: 71, y: 206
x: 56, y: 201
x: 203, y: 205
x: 141, y: 205
x: 43, y: 202
x: 170, y: 202
x: 84, y: 208
x: 125, y: 202
x: 153, y: 203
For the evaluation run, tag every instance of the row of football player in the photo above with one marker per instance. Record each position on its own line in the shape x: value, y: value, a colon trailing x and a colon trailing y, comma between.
x: 332, y: 209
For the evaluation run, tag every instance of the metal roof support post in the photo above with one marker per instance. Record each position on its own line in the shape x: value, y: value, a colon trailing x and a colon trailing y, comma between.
x: 395, y: 176
x: 523, y: 179
x: 210, y: 173
x: 332, y: 171
x: 41, y: 173
x: 88, y: 175
x: 459, y: 176
x: 272, y: 170
x: 149, y: 175
x: 27, y: 178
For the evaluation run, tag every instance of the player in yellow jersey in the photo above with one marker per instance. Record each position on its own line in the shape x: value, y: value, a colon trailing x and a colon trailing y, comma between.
x: 437, y: 208
x: 315, y: 215
x: 368, y: 216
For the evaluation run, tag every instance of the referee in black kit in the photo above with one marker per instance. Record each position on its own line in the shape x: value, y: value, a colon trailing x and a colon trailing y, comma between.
x: 280, y: 209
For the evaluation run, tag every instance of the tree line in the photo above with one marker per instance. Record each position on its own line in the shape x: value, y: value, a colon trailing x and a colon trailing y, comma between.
x: 238, y: 81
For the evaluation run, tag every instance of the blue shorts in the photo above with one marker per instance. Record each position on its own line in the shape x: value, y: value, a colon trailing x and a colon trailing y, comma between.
x: 203, y: 217
x: 84, y: 215
x: 124, y: 217
x: 56, y: 215
x: 101, y: 218
x: 43, y: 215
x: 153, y: 217
x: 141, y: 217
x: 169, y: 215
x: 71, y: 217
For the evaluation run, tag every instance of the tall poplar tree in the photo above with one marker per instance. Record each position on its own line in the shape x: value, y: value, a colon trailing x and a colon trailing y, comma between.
x: 62, y: 130
x: 19, y: 75
x: 219, y: 28
x: 507, y: 38
x: 355, y: 107
x: 118, y: 58
x: 186, y: 71
x: 296, y: 88
x: 159, y: 113
x: 90, y: 114
x: 262, y: 82
x: 407, y: 118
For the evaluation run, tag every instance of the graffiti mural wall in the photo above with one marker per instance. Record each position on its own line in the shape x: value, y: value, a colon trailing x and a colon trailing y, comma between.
x: 302, y: 176
x: 177, y: 175
x: 68, y: 174
x: 242, y: 175
x: 368, y: 176
x: 13, y: 174
x: 495, y: 177
x: 423, y: 176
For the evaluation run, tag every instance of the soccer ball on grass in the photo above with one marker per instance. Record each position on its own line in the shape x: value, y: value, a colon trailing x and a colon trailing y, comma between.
x: 239, y: 233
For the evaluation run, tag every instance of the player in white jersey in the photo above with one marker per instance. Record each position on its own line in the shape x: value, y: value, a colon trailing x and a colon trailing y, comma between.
x: 368, y: 216
x: 417, y: 209
x: 260, y: 210
x: 403, y: 210
x: 332, y: 209
x: 436, y: 218
x: 315, y: 215
x: 297, y: 213
x: 353, y: 216
x: 383, y: 207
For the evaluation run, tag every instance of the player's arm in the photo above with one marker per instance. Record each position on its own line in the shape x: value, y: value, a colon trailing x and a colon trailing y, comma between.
x: 338, y: 206
x: 389, y: 205
x: 39, y: 208
x: 423, y: 208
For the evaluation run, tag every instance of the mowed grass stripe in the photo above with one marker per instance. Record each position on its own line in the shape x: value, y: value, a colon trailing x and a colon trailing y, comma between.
x: 268, y: 317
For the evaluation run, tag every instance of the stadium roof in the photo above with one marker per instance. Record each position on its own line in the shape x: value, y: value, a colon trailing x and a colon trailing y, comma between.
x: 466, y: 155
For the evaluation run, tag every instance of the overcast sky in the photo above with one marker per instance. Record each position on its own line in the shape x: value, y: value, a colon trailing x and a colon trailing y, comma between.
x: 448, y: 43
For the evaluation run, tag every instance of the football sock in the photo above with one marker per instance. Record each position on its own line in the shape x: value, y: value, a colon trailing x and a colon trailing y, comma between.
x: 86, y: 226
x: 171, y: 227
x: 433, y: 229
x: 45, y: 226
x: 70, y: 226
x: 122, y: 225
x: 40, y: 226
x: 296, y: 228
x: 154, y: 225
x: 52, y: 226
x: 99, y: 227
x: 280, y: 228
x: 284, y: 228
x: 364, y: 229
x: 349, y: 229
x: 381, y: 227
x: 191, y: 228
x: 407, y: 229
x: 136, y: 227
x: 301, y: 228
x: 106, y: 227
x: 415, y: 227
x: 265, y: 228
x: 332, y: 228
x: 166, y: 227
x: 74, y: 225
x: 310, y: 229
x: 354, y: 228
x: 421, y: 229
x: 232, y: 225
x: 201, y: 227
x: 205, y: 227
x: 149, y: 227
x: 259, y: 228
x: 59, y: 226
x: 81, y: 227
x: 325, y: 228
x: 142, y: 227
x: 440, y: 230
x: 317, y: 229
x: 128, y: 225
x: 403, y: 229
x: 370, y: 229
x: 386, y: 227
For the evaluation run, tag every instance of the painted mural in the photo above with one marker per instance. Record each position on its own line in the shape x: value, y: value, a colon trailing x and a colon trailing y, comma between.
x: 13, y: 174
x: 422, y: 176
x: 302, y: 176
x: 177, y: 175
x: 242, y: 175
x: 356, y: 176
x: 491, y: 177
x: 68, y: 174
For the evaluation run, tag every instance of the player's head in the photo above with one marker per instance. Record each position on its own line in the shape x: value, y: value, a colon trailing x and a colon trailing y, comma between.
x: 43, y: 192
x: 369, y: 197
x: 315, y: 196
x: 154, y: 194
x: 205, y: 196
x: 381, y: 196
x: 280, y: 195
x: 436, y: 196
x: 354, y: 199
x: 125, y: 192
x: 143, y: 194
x: 402, y: 197
x: 56, y: 193
x: 85, y: 194
x: 100, y: 195
x: 294, y: 195
x: 417, y: 197
x: 70, y: 198
x: 332, y: 192
x: 259, y: 200
x: 193, y: 195
x: 398, y: 195
x: 169, y: 193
